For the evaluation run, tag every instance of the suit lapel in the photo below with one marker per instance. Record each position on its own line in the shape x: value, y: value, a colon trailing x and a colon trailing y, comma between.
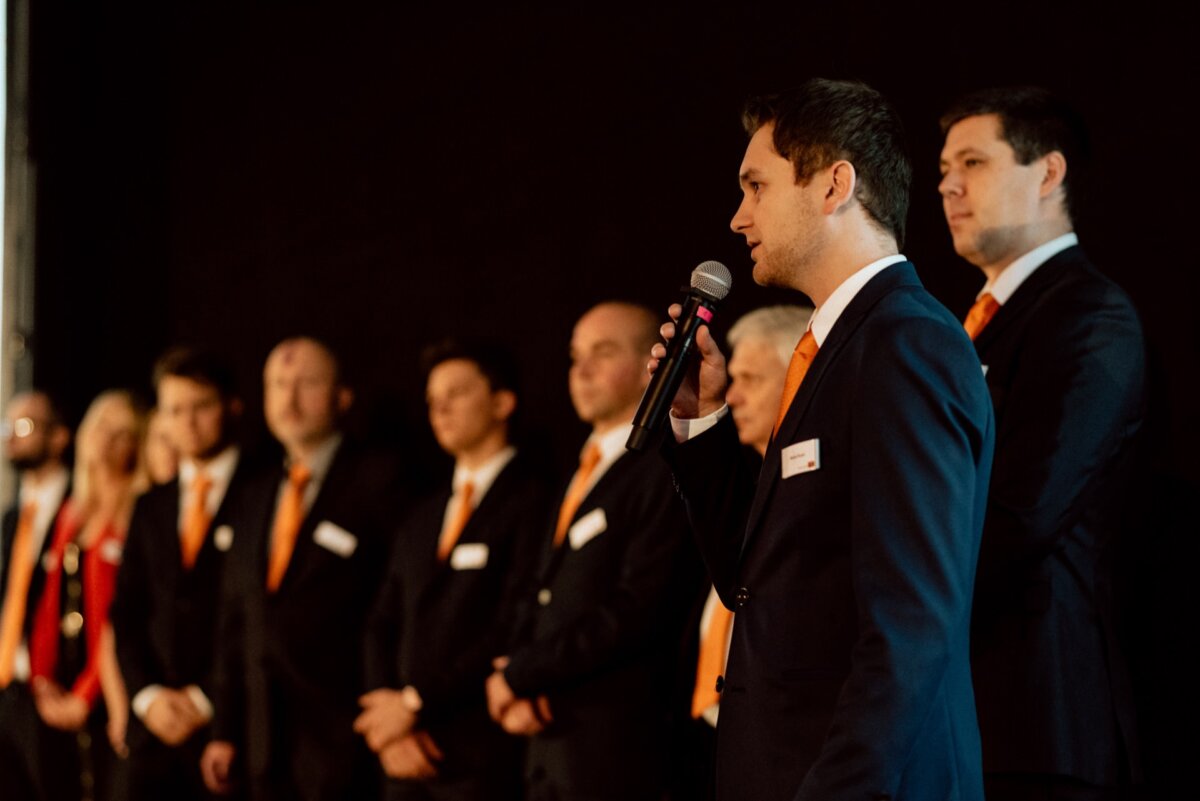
x: 889, y: 279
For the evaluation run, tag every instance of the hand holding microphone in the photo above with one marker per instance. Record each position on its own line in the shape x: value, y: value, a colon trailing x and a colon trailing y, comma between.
x: 679, y: 382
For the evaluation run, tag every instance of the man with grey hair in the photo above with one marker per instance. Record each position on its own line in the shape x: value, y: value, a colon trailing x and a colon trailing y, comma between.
x: 762, y: 343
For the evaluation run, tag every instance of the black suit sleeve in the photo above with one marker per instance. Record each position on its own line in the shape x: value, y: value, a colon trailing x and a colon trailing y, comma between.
x: 715, y: 461
x: 1074, y: 390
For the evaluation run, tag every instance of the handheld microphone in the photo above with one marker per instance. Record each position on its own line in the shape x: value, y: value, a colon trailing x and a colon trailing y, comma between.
x: 711, y: 282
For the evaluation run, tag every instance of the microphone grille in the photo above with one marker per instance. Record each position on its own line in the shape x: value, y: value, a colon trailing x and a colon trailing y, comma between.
x: 712, y: 278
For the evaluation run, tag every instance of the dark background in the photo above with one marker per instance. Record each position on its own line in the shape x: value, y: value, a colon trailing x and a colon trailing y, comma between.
x: 383, y: 177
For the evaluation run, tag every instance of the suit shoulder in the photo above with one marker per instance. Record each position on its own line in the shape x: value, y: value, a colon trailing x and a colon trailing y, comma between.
x: 1083, y: 303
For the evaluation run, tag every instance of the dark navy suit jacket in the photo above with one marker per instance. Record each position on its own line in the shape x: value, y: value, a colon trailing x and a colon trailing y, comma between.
x: 848, y: 673
x: 1065, y: 368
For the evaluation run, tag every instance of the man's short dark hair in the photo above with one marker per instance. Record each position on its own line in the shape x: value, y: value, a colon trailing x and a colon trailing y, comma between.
x: 197, y: 365
x: 822, y: 121
x: 496, y: 362
x: 1034, y: 122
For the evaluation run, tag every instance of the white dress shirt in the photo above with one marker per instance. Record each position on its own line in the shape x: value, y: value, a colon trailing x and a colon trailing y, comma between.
x: 1014, y: 275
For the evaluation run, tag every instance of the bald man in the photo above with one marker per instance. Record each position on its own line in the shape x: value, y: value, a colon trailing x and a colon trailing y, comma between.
x: 594, y: 675
x: 309, y: 545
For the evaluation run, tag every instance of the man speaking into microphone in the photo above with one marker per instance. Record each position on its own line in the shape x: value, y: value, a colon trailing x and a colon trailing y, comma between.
x: 850, y: 559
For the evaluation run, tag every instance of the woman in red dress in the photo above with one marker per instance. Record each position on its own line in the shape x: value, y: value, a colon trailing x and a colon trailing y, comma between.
x: 71, y: 651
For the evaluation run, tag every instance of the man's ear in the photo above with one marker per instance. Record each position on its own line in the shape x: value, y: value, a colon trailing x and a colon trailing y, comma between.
x: 504, y: 403
x: 1055, y: 166
x: 841, y: 181
x: 345, y: 399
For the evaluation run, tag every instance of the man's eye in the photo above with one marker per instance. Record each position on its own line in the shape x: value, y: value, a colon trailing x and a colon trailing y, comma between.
x: 972, y: 162
x: 755, y: 186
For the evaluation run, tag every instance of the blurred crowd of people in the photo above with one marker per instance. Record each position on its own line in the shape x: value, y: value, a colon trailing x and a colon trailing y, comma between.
x: 184, y: 620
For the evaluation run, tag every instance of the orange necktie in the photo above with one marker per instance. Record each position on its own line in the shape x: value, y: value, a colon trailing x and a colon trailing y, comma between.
x: 288, y: 518
x: 195, y: 522
x: 980, y: 314
x: 20, y: 573
x: 451, y: 533
x: 802, y: 356
x: 577, y: 492
x: 711, y: 663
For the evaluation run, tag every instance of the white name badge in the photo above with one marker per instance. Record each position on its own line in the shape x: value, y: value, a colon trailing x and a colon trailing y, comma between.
x: 802, y: 457
x: 469, y: 556
x: 223, y: 538
x: 587, y: 528
x: 335, y: 538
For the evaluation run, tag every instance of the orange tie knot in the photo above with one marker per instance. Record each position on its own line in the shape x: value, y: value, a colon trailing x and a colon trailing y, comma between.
x: 589, y: 459
x: 299, y: 475
x: 201, y: 484
x: 980, y: 314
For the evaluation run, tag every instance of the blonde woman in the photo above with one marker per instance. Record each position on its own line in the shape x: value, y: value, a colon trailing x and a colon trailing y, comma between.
x: 72, y: 654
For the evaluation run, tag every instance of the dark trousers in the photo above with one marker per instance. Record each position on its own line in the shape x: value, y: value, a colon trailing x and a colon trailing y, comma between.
x: 159, y: 771
x: 473, y: 788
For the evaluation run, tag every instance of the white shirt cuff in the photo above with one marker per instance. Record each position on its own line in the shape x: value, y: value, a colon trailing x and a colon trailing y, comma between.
x: 142, y: 702
x: 200, y: 700
x: 412, y: 699
x: 692, y: 428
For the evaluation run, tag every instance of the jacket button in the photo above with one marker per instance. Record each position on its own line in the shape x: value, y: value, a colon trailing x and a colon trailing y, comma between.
x: 544, y: 596
x: 720, y: 683
x: 741, y: 597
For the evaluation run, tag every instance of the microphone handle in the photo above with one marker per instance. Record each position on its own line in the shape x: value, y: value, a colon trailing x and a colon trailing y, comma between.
x: 672, y: 369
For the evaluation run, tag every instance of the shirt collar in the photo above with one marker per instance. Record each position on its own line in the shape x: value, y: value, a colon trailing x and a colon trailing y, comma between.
x: 219, y: 468
x: 48, y: 493
x: 1014, y: 275
x: 823, y: 318
x: 484, y: 476
x: 611, y: 443
x: 322, y: 457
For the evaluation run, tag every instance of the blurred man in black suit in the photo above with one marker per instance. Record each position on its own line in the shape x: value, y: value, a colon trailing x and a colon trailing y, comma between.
x: 35, y: 440
x: 310, y: 544
x: 594, y: 676
x: 165, y: 611
x: 459, y: 563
